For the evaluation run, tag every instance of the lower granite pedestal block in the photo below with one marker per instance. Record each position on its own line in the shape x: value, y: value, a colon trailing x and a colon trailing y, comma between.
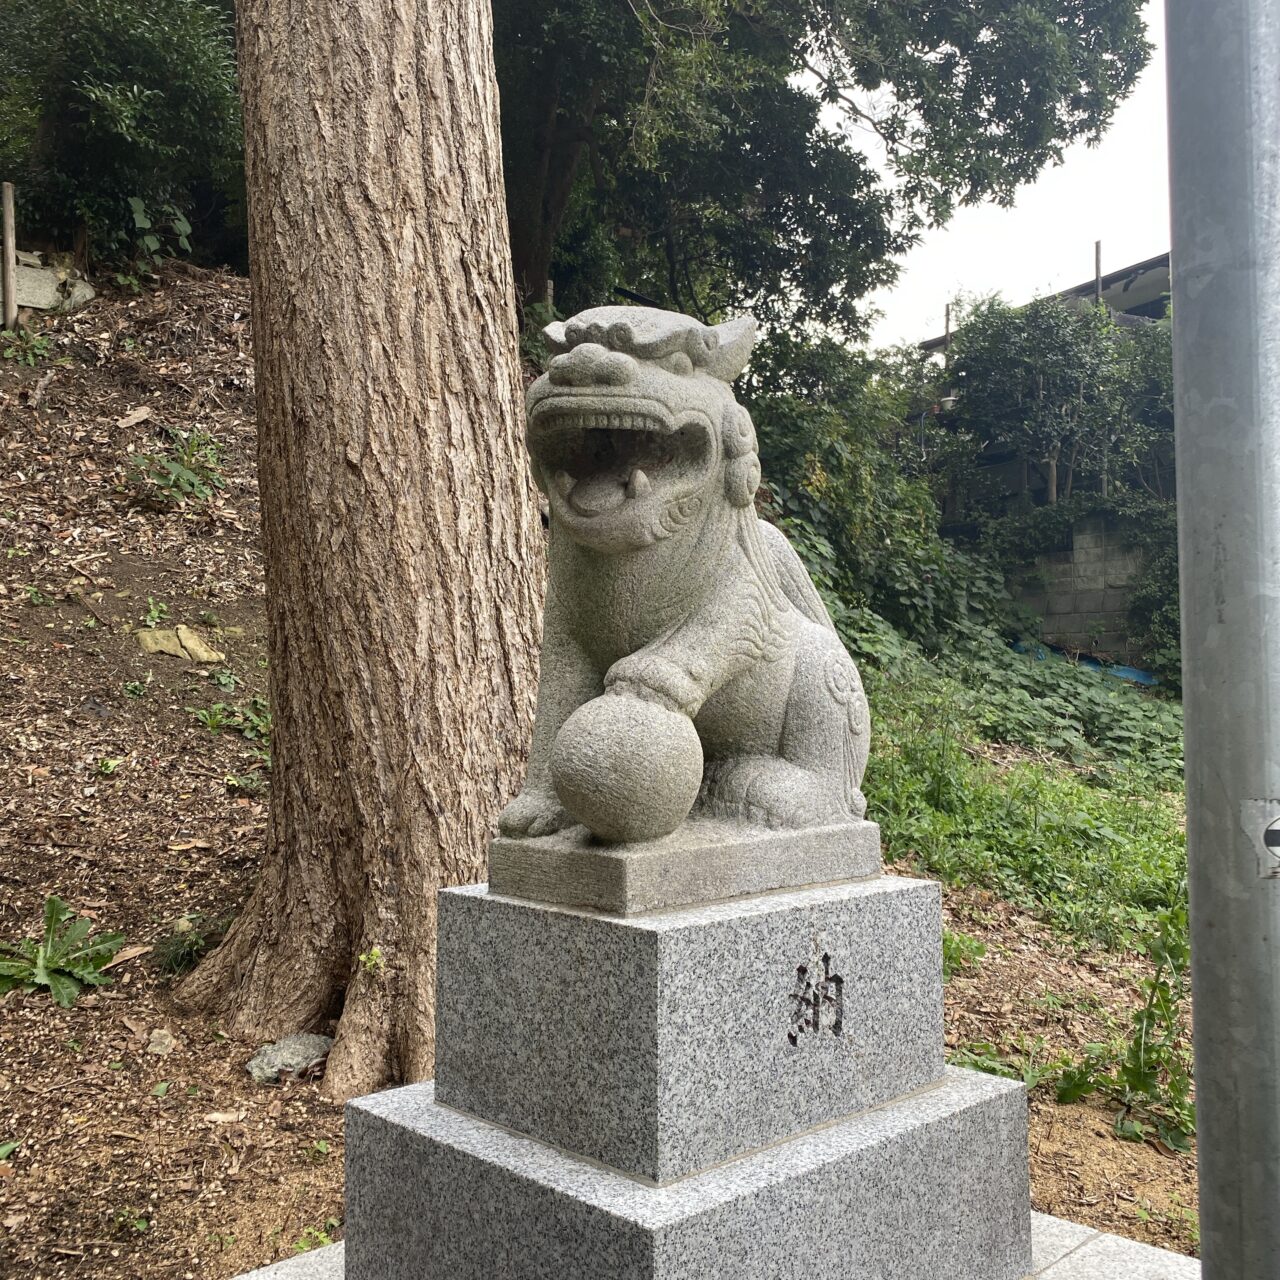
x: 932, y: 1186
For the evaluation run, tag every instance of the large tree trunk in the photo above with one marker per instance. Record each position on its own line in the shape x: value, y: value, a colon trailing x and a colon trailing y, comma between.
x: 403, y: 551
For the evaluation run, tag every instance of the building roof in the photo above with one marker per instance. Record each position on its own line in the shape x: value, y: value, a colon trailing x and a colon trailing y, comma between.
x: 1139, y: 289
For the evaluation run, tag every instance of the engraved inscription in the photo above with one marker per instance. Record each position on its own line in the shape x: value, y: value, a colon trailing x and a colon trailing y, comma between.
x: 817, y: 1002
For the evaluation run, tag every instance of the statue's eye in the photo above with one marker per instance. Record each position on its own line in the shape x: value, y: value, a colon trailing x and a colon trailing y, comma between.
x: 677, y: 362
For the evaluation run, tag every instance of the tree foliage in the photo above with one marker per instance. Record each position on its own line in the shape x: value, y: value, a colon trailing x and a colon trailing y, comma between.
x: 1088, y: 403
x: 851, y: 448
x: 1040, y: 380
x: 729, y: 153
x: 1068, y: 390
x: 103, y: 103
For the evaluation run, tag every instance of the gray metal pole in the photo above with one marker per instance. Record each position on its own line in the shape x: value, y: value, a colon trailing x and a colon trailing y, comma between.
x: 1224, y: 141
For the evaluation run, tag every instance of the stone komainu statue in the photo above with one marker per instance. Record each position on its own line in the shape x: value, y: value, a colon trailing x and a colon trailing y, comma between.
x: 687, y: 661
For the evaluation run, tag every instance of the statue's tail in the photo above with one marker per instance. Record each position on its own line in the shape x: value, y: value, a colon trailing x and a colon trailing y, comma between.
x: 792, y: 576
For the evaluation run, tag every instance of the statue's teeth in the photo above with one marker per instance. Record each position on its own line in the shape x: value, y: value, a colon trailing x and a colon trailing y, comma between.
x: 638, y: 485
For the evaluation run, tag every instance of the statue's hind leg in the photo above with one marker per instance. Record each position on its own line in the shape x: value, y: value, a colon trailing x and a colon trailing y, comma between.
x: 768, y: 792
x: 814, y: 780
x: 827, y: 731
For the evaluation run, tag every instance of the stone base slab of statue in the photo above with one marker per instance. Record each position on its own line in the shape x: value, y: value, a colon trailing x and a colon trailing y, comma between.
x: 1060, y: 1250
x: 930, y: 1187
x: 705, y: 859
x: 665, y: 1043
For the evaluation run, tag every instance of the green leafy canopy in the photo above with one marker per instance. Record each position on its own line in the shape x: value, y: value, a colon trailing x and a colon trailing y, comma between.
x: 776, y: 154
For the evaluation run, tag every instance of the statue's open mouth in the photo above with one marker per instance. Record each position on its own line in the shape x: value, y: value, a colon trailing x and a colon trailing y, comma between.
x: 599, y: 453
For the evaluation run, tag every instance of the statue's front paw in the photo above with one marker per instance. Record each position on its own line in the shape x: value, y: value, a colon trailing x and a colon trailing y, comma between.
x: 652, y: 678
x: 533, y: 813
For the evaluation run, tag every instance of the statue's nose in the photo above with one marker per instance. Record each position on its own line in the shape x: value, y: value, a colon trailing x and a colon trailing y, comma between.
x: 591, y: 365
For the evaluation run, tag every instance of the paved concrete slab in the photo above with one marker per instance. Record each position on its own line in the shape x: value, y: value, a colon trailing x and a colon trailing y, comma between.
x: 1052, y: 1239
x: 315, y: 1264
x: 1104, y: 1257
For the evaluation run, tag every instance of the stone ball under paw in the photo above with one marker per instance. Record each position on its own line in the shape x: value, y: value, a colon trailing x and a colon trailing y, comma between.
x: 627, y: 769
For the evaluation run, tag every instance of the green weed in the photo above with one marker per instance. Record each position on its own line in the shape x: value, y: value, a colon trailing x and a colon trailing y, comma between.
x: 130, y: 1221
x: 63, y: 960
x: 188, y: 472
x: 1029, y: 1061
x: 317, y: 1237
x: 214, y: 718
x: 192, y: 935
x: 1151, y: 1077
x: 26, y: 346
x: 959, y: 951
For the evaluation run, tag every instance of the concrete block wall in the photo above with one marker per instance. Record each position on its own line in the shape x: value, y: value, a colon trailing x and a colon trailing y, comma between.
x: 1083, y: 593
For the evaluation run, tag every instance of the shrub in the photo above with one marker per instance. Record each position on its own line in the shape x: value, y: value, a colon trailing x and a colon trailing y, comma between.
x: 852, y: 452
x: 111, y: 114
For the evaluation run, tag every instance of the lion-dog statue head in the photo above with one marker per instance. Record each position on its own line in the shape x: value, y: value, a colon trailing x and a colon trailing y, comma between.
x: 634, y: 424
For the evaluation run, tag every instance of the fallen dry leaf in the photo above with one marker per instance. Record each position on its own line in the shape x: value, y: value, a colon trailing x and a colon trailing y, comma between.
x: 129, y: 953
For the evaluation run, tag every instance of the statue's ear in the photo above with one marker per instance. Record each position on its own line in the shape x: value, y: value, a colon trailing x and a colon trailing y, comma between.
x: 730, y: 357
x: 557, y: 343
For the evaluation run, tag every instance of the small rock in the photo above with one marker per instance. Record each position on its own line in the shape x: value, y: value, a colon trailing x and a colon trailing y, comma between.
x: 179, y: 642
x: 196, y: 648
x: 160, y: 640
x: 50, y: 289
x: 291, y: 1056
x: 162, y: 1042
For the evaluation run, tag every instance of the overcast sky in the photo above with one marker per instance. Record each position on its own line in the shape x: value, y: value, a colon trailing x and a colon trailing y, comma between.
x: 1116, y: 192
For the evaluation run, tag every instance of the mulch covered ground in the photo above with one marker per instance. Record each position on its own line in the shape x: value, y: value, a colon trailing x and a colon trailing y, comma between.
x: 156, y: 1155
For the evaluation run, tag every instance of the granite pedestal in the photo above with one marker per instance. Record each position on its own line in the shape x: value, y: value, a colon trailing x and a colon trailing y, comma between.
x: 665, y: 1043
x: 1060, y: 1250
x: 930, y: 1187
x: 751, y: 1089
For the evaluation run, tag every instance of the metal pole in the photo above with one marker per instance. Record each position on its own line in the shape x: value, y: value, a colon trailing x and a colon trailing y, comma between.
x: 1224, y: 141
x: 1097, y: 273
x: 8, y: 256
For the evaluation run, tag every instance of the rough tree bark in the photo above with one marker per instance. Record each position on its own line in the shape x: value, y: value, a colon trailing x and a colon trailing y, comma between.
x: 403, y: 550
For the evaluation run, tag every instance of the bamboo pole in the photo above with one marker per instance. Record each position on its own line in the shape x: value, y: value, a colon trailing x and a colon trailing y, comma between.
x: 8, y: 262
